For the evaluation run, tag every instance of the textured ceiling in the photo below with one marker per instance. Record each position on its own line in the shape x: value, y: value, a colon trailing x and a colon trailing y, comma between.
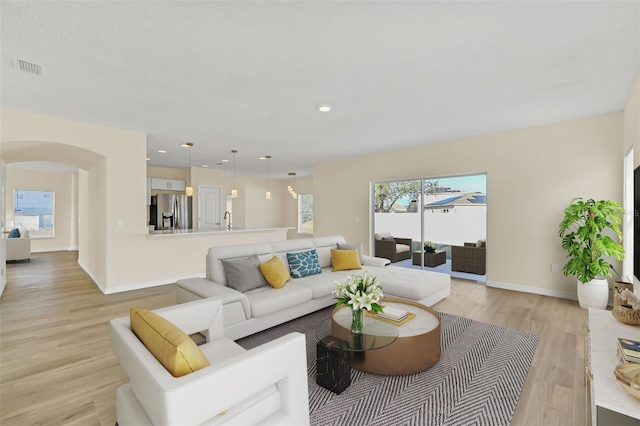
x: 249, y: 75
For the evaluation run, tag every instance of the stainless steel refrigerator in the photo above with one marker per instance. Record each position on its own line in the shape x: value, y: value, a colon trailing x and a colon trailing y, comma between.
x: 170, y: 211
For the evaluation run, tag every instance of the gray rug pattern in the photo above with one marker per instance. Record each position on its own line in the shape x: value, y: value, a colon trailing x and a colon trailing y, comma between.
x: 477, y: 380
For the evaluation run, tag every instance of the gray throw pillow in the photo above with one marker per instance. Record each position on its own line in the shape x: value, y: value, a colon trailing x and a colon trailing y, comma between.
x: 357, y: 246
x: 244, y: 274
x: 15, y: 233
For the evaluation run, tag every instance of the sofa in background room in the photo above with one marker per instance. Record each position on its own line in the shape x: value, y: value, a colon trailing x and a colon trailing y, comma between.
x: 18, y: 247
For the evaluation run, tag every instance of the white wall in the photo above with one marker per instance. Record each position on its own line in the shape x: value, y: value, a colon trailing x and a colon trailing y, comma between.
x: 532, y: 175
x: 65, y: 208
x: 3, y: 243
x: 631, y: 115
x: 93, y: 243
x: 460, y: 225
x: 251, y: 209
x: 239, y: 203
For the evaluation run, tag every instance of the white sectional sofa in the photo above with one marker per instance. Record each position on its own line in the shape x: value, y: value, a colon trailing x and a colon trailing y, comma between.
x: 264, y: 307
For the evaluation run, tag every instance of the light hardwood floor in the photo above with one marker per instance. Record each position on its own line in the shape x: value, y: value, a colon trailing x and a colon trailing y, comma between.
x: 56, y: 365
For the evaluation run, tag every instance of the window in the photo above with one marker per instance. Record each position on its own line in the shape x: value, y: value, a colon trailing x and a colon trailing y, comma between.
x: 305, y: 214
x: 33, y: 212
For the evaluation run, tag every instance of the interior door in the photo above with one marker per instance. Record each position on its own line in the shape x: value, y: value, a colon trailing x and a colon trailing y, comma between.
x: 208, y: 208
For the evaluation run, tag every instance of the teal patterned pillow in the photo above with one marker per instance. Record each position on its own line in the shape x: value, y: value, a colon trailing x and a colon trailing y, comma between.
x: 304, y: 263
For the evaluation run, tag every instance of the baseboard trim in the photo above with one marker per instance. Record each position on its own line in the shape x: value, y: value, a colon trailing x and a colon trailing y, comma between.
x: 135, y: 286
x: 95, y: 280
x: 147, y: 284
x: 533, y: 290
x: 54, y: 249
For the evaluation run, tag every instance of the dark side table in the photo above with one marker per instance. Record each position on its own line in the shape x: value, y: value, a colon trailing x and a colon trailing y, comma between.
x: 439, y: 257
x: 337, y: 345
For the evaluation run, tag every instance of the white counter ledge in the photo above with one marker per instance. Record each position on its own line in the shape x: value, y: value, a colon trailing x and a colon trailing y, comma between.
x: 176, y: 255
x: 193, y: 232
x: 608, y: 398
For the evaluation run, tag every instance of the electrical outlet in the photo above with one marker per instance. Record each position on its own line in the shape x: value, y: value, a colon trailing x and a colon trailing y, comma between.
x: 555, y: 267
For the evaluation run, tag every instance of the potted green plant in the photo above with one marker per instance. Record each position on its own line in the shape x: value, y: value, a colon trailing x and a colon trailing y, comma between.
x: 584, y: 237
x: 429, y: 247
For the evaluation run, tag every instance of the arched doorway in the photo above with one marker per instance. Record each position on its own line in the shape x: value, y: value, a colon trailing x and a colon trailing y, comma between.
x: 84, y: 202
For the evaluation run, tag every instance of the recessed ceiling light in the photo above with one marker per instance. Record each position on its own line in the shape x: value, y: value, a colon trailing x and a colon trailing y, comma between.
x: 225, y: 161
x: 324, y: 108
x: 263, y: 158
x: 205, y: 165
x: 186, y: 145
x: 148, y: 159
x: 162, y: 151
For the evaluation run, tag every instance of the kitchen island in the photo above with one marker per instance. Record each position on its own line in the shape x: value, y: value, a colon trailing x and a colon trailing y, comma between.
x: 164, y: 257
x: 218, y: 231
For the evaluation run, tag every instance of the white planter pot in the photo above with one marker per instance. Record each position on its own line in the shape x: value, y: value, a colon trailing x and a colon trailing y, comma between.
x: 593, y: 294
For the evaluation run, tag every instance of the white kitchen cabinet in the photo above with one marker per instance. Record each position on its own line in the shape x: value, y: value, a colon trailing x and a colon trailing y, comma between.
x: 167, y: 184
x: 177, y: 185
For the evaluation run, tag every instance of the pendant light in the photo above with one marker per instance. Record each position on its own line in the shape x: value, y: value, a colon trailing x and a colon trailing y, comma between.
x: 188, y: 190
x: 268, y: 195
x: 234, y: 191
x: 292, y: 184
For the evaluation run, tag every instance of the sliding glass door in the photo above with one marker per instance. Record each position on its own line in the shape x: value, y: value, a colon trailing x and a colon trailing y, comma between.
x: 397, y: 220
x: 436, y: 223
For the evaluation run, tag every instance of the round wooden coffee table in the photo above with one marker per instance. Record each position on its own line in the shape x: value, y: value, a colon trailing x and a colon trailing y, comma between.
x: 417, y: 347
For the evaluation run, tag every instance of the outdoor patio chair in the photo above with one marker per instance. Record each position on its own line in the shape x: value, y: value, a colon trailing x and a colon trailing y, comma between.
x: 471, y: 258
x: 392, y: 248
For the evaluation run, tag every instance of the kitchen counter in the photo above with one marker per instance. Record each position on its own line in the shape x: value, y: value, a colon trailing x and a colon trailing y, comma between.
x: 185, y: 232
x: 168, y: 256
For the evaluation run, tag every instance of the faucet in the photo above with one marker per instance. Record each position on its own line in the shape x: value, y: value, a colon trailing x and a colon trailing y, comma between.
x: 227, y: 215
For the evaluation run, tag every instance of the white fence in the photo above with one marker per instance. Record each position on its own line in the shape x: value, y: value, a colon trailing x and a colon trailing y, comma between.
x: 461, y: 224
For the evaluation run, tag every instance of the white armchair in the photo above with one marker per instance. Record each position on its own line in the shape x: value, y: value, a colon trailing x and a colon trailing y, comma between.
x: 19, y: 248
x: 264, y: 385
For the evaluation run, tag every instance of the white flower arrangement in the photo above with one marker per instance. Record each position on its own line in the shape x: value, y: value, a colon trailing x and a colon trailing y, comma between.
x: 359, y: 292
x: 630, y: 298
x: 429, y: 246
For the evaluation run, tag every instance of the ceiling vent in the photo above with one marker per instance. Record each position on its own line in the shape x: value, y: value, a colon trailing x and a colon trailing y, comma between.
x: 26, y: 66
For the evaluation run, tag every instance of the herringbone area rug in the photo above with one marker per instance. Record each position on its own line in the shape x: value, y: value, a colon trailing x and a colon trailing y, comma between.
x: 477, y: 381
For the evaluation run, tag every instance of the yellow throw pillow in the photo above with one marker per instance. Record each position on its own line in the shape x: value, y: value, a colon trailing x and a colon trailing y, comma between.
x: 343, y: 260
x: 275, y: 272
x: 171, y: 346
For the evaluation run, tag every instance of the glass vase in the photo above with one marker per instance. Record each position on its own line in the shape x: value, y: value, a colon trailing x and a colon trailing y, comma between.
x: 356, y: 320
